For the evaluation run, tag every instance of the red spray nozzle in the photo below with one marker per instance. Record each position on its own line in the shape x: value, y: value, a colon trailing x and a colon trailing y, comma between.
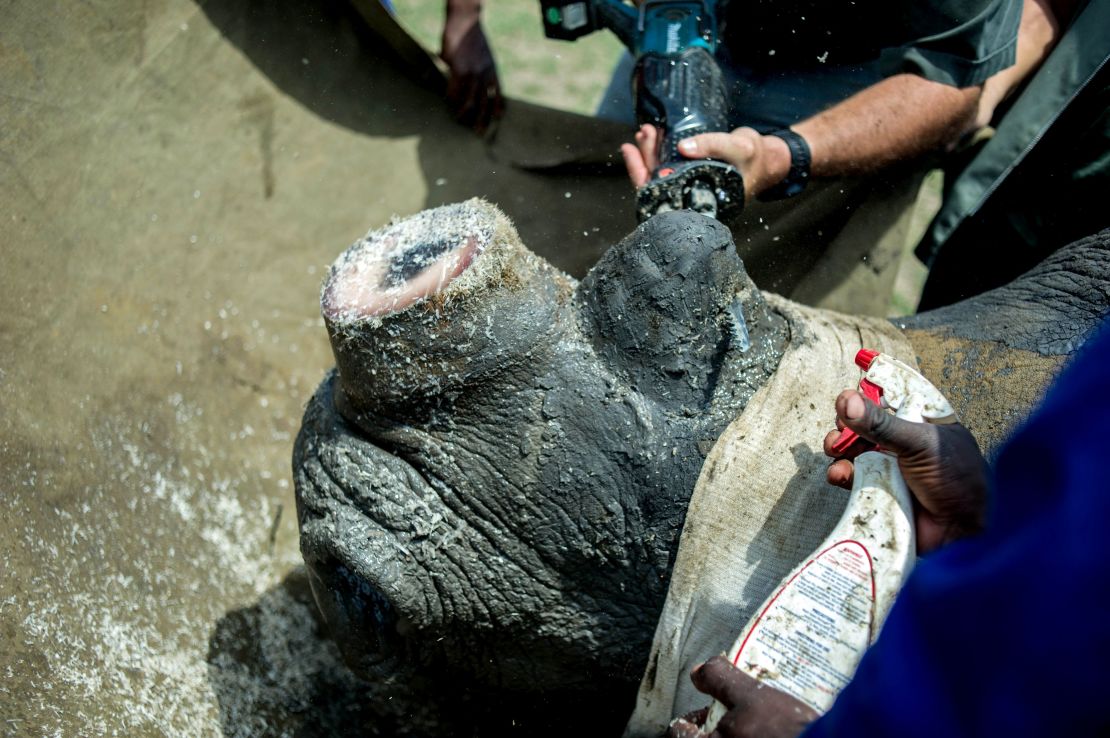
x: 864, y: 357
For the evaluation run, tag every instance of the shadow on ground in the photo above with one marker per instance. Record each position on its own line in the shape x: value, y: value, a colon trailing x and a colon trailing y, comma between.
x: 557, y: 175
x: 274, y: 673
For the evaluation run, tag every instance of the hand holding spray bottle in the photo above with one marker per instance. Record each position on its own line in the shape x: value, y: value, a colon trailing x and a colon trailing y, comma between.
x: 808, y: 637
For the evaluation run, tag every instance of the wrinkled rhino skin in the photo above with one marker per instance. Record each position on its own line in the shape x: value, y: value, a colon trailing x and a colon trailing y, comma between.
x: 992, y: 355
x: 513, y: 527
x: 495, y: 552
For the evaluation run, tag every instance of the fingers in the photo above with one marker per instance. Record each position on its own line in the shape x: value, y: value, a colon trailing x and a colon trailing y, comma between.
x: 736, y: 148
x: 484, y: 94
x: 647, y: 140
x: 462, y: 99
x: 639, y: 158
x: 634, y: 164
x: 878, y: 426
x: 718, y: 678
x: 683, y: 728
x: 498, y: 99
x: 688, y: 726
x: 840, y: 473
x: 832, y: 438
x: 475, y: 100
x: 486, y: 99
x: 753, y: 708
x: 697, y: 717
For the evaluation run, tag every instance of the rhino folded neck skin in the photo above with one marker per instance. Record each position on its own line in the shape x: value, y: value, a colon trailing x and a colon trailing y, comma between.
x: 493, y: 483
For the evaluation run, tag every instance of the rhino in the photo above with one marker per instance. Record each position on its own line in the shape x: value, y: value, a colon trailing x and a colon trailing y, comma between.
x: 492, y: 482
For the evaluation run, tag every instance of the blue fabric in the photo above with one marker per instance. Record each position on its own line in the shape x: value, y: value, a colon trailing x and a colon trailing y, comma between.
x: 616, y: 102
x: 955, y: 42
x: 778, y: 68
x: 1008, y: 633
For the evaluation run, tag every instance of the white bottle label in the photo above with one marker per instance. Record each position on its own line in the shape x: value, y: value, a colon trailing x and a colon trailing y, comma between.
x: 810, y: 637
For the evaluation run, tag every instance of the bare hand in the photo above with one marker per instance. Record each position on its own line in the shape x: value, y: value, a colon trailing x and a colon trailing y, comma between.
x: 755, y: 710
x: 641, y: 159
x: 941, y: 464
x: 763, y: 161
x: 473, y: 90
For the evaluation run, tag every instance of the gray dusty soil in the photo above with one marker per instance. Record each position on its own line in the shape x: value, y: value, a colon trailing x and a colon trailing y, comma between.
x: 174, y: 179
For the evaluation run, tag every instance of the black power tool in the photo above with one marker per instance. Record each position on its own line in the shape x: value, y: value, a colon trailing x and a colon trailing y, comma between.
x: 678, y: 87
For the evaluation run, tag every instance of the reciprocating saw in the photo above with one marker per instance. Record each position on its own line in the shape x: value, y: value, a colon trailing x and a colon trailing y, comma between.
x: 677, y: 86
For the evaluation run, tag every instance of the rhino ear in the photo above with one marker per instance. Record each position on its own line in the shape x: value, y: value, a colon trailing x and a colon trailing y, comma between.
x: 662, y: 306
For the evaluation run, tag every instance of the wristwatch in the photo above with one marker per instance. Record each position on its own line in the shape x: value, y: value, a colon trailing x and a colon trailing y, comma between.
x: 800, y: 158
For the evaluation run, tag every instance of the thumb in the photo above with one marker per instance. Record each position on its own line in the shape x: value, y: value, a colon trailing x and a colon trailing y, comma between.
x: 723, y: 146
x: 683, y: 728
x: 878, y: 426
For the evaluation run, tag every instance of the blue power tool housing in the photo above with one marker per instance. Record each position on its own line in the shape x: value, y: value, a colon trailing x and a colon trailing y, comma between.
x: 678, y: 87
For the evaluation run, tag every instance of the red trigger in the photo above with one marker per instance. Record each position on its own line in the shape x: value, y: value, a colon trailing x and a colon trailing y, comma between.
x: 871, y: 391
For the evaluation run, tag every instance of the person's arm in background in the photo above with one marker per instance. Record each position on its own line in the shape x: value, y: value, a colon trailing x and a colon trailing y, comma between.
x: 1041, y: 24
x: 899, y: 118
x: 896, y: 119
x: 473, y: 90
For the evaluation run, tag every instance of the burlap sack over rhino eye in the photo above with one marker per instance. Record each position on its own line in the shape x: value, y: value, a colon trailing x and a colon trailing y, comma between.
x: 761, y: 505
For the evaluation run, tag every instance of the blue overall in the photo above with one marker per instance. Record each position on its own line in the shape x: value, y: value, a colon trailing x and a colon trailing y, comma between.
x: 1008, y: 633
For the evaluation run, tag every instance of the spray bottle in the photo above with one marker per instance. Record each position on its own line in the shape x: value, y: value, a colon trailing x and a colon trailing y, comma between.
x: 809, y: 635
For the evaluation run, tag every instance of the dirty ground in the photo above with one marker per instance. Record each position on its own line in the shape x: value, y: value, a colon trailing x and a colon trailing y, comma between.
x: 174, y: 179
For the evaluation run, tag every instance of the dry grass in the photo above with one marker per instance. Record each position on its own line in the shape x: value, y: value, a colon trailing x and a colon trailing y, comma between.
x: 569, y: 76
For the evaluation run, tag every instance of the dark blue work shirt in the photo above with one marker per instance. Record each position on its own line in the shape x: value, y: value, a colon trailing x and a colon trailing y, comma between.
x: 1008, y: 633
x: 956, y: 42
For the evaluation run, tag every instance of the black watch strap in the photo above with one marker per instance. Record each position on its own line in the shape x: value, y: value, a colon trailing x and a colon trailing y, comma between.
x: 798, y: 176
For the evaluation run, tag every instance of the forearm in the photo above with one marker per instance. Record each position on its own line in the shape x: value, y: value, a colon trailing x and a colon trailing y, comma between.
x: 473, y: 90
x: 460, y: 16
x: 899, y: 118
x: 463, y: 8
x: 1039, y: 32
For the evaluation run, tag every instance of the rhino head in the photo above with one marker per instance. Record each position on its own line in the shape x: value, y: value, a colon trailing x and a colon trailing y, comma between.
x: 492, y: 484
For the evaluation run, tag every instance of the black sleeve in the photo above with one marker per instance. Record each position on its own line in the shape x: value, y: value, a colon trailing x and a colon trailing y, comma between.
x: 961, y: 42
